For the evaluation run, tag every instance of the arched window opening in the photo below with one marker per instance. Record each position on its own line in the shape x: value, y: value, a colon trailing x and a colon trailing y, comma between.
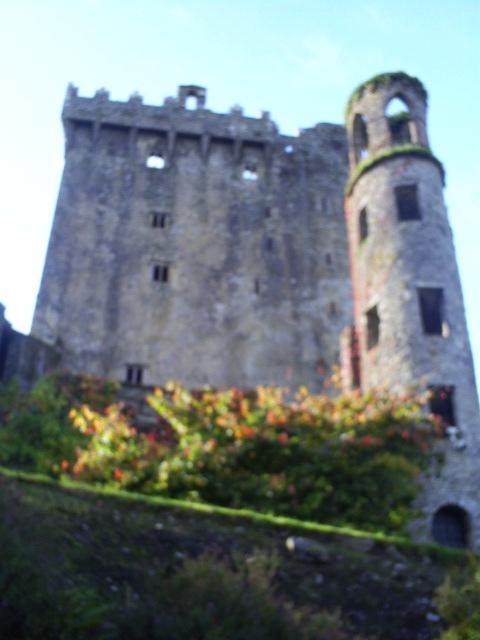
x: 155, y: 161
x: 450, y: 526
x: 360, y: 137
x: 191, y: 102
x: 363, y: 225
x: 399, y: 120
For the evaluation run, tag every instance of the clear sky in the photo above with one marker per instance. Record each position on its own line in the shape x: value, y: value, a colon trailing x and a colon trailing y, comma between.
x: 299, y: 59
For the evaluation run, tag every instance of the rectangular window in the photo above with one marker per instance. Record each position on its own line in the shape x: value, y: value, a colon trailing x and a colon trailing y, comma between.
x: 406, y: 197
x: 441, y: 404
x: 363, y: 224
x: 159, y: 220
x: 160, y: 273
x: 373, y: 327
x: 134, y: 374
x: 431, y: 310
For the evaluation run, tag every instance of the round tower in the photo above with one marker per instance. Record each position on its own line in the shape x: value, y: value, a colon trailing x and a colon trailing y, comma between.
x: 409, y: 319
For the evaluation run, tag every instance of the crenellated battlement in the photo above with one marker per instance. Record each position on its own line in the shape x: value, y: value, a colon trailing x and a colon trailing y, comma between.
x: 175, y: 114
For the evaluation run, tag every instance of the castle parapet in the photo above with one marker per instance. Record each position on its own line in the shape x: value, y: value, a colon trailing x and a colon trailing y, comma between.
x: 176, y: 113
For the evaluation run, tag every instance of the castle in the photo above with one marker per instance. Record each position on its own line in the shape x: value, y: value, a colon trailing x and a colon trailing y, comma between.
x: 212, y: 249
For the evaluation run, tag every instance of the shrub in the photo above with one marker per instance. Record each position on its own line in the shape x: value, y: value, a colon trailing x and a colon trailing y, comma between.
x: 206, y: 599
x: 458, y: 601
x: 35, y: 432
x: 349, y: 460
x: 115, y: 452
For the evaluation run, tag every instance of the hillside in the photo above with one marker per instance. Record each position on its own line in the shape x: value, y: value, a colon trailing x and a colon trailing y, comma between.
x: 117, y: 553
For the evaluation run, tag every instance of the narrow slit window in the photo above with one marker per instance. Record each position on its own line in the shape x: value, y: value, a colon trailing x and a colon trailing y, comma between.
x: 160, y: 273
x: 256, y: 286
x: 363, y: 224
x: 134, y: 374
x: 360, y: 137
x: 269, y: 244
x: 155, y: 161
x: 373, y: 327
x: 431, y: 310
x: 328, y: 259
x: 406, y: 197
x: 442, y: 404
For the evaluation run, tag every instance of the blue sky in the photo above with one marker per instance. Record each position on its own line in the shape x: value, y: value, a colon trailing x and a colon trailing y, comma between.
x: 299, y: 59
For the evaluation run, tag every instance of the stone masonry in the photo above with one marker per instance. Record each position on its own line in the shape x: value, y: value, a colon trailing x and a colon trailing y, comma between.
x: 212, y: 249
x: 228, y: 265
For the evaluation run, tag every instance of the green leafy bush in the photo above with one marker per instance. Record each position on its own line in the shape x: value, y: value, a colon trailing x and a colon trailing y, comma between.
x: 209, y: 600
x: 115, y: 453
x: 458, y: 601
x: 350, y: 460
x: 35, y: 432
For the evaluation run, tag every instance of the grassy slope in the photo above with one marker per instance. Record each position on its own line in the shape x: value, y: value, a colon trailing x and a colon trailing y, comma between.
x: 124, y: 544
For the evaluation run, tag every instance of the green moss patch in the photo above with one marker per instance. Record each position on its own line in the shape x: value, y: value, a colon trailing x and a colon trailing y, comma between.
x: 384, y: 80
x: 391, y: 153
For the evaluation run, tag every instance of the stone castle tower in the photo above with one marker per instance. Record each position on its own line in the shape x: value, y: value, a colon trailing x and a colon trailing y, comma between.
x: 213, y: 249
x: 409, y: 320
x: 198, y: 246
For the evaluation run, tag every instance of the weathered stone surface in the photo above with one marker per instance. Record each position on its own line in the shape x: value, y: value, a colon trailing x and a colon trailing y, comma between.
x: 258, y: 287
x: 228, y: 265
x: 390, y: 264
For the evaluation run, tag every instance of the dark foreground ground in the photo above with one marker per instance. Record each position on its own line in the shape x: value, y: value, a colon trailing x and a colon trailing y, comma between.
x: 121, y: 553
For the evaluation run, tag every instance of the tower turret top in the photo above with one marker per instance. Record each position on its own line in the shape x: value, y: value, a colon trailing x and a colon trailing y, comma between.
x: 386, y: 115
x: 385, y: 81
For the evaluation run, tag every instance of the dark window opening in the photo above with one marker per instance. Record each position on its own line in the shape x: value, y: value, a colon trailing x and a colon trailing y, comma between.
x: 134, y: 374
x: 450, y: 527
x: 354, y: 358
x: 155, y: 161
x: 332, y: 308
x: 267, y: 212
x: 160, y: 273
x: 360, y: 137
x: 406, y: 197
x: 256, y: 286
x: 442, y: 405
x: 398, y: 118
x: 269, y: 244
x: 328, y: 259
x: 373, y: 327
x: 431, y: 310
x: 363, y: 225
x: 159, y: 220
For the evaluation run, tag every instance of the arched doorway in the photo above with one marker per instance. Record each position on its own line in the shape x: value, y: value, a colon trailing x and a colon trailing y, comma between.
x: 450, y: 526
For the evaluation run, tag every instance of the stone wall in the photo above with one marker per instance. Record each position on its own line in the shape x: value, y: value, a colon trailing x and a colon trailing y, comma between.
x: 250, y: 234
x: 393, y: 260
